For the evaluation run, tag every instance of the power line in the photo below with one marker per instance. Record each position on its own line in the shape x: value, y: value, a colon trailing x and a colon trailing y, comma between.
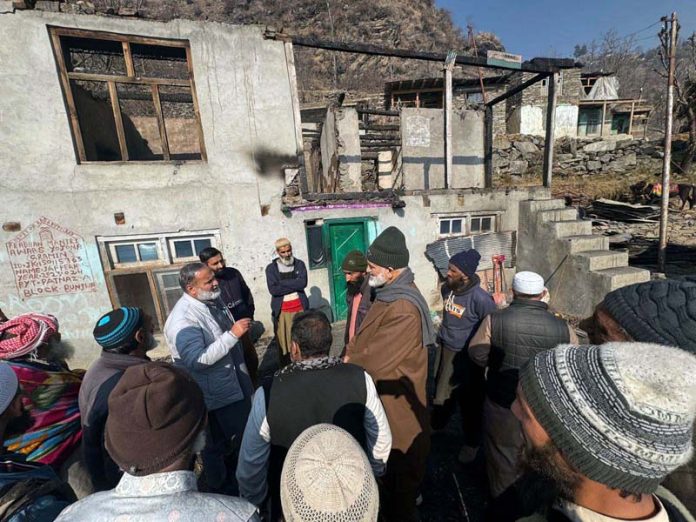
x: 629, y: 35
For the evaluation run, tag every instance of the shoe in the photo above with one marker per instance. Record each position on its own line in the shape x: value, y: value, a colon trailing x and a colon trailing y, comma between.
x: 468, y: 454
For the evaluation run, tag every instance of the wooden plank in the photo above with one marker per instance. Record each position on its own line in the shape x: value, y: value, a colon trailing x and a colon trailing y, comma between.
x: 118, y: 119
x: 488, y: 147
x: 377, y: 112
x: 125, y: 79
x: 604, y: 118
x: 160, y: 122
x: 196, y: 110
x: 547, y: 172
x: 128, y: 57
x: 630, y: 118
x: 69, y: 100
x: 536, y: 66
x: 297, y: 117
x: 118, y: 37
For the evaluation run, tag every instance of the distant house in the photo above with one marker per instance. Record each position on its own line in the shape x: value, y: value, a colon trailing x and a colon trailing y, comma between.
x: 602, y: 112
x: 584, y: 101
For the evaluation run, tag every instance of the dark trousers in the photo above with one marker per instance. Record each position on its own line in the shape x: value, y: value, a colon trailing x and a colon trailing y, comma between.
x: 251, y: 358
x: 223, y: 439
x: 399, y: 485
x: 469, y: 394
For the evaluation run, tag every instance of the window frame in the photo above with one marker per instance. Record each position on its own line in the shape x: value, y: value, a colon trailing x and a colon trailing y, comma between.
x: 167, y: 264
x: 111, y: 81
x: 467, y: 219
x: 172, y: 248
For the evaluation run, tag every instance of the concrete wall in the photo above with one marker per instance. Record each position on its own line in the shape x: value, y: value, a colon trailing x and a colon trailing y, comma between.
x: 418, y: 220
x: 422, y: 138
x: 245, y: 104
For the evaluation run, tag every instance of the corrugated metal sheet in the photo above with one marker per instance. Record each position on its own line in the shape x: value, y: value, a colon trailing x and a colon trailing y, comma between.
x: 487, y: 245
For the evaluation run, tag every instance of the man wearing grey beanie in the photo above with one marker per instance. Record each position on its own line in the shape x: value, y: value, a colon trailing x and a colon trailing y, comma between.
x: 604, y: 425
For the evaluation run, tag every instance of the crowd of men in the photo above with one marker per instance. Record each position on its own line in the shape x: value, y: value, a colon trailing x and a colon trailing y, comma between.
x: 568, y: 432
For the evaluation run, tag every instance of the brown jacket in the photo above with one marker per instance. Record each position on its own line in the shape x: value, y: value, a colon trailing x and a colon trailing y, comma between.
x: 389, y: 347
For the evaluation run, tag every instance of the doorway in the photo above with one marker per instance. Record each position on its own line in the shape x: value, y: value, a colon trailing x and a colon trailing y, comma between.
x: 341, y: 236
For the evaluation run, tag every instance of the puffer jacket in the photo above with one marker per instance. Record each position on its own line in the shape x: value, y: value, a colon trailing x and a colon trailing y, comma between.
x: 213, y: 357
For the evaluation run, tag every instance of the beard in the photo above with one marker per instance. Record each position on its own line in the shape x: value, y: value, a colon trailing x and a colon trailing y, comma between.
x: 547, y: 476
x: 353, y: 287
x: 287, y: 261
x: 206, y: 295
x: 377, y: 281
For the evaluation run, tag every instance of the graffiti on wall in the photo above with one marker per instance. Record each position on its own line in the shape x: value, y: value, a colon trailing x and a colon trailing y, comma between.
x: 48, y: 259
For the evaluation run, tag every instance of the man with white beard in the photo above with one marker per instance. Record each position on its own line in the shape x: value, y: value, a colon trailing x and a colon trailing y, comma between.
x: 286, y: 278
x: 204, y: 340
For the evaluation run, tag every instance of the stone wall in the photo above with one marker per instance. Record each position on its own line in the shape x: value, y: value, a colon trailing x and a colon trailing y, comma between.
x: 521, y: 154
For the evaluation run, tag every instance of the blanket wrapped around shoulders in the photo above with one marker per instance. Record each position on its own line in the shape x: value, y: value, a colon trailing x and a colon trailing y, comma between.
x: 49, y: 394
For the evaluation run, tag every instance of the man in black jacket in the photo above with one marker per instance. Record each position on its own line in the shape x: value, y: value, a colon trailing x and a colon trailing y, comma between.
x: 286, y: 278
x: 125, y: 335
x: 315, y: 388
x: 237, y: 298
x: 504, y: 342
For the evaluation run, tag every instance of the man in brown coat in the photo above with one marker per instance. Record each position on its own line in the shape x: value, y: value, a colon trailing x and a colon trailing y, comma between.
x: 391, y: 346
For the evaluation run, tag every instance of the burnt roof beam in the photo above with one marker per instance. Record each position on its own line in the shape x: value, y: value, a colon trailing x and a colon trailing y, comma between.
x: 537, y: 65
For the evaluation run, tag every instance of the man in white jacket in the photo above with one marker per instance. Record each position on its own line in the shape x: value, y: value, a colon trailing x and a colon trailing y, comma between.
x: 204, y: 340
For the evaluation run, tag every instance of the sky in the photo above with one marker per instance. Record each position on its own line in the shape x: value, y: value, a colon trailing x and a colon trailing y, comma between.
x: 553, y: 27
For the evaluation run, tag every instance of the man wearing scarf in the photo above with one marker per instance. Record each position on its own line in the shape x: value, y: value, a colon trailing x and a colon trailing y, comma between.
x: 457, y: 378
x: 391, y: 346
x: 358, y: 292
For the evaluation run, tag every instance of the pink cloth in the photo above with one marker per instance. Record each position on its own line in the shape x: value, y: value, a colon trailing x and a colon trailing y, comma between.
x: 25, y: 333
x: 354, y: 315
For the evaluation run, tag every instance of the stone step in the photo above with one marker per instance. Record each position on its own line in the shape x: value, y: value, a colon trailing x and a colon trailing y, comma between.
x: 586, y: 242
x: 543, y: 204
x: 560, y: 214
x: 624, y: 276
x: 594, y: 260
x: 563, y: 229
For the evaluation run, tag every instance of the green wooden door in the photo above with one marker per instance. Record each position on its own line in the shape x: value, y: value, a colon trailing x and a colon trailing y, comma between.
x: 342, y: 236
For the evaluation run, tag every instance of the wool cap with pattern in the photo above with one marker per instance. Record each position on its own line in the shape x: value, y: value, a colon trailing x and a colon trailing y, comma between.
x: 326, y: 477
x: 662, y: 312
x: 117, y: 328
x: 622, y: 414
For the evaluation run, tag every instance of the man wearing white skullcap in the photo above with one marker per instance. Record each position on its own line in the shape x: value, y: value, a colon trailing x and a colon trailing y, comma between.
x: 504, y: 342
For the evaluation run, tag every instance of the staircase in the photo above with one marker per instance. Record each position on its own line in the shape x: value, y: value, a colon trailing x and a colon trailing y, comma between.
x: 578, y: 266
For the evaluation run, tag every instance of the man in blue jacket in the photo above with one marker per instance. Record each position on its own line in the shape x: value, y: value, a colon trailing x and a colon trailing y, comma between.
x: 286, y: 278
x: 204, y: 341
x: 457, y: 379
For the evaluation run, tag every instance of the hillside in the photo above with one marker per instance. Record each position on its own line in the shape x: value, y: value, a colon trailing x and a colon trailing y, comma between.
x: 411, y: 24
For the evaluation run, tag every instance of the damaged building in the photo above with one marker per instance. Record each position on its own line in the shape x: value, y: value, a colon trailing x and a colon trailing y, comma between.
x: 130, y: 145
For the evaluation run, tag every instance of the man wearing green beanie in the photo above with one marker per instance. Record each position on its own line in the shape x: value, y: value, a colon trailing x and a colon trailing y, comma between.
x: 358, y: 291
x: 391, y: 346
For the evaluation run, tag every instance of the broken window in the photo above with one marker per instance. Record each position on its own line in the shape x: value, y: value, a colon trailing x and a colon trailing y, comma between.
x: 315, y: 244
x: 143, y: 271
x: 129, y: 98
x: 466, y: 225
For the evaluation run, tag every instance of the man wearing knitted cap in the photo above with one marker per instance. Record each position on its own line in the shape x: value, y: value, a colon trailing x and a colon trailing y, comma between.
x: 156, y: 425
x: 392, y: 347
x: 286, y: 278
x: 662, y: 312
x: 125, y: 337
x: 458, y: 380
x: 604, y: 425
x: 358, y: 291
x: 504, y: 342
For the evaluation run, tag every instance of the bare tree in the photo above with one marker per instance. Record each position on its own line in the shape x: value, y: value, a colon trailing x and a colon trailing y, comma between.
x: 684, y: 90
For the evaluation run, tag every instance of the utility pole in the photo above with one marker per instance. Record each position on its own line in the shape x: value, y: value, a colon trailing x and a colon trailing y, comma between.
x: 449, y: 66
x: 664, y: 211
